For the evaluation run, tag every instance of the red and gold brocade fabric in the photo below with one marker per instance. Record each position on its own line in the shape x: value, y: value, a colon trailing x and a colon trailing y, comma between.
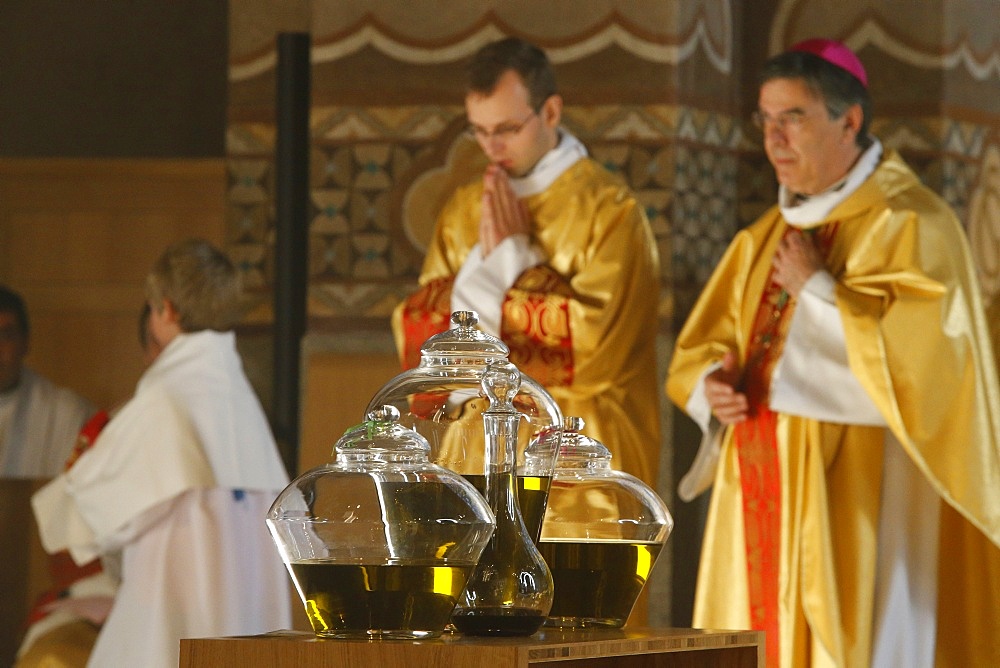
x: 536, y: 326
x: 756, y: 442
x: 422, y: 315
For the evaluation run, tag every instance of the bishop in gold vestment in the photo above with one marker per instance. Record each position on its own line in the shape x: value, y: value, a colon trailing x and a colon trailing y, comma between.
x: 796, y: 522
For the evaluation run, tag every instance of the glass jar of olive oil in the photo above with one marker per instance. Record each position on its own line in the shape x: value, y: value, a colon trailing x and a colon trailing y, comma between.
x: 380, y: 542
x: 601, y: 534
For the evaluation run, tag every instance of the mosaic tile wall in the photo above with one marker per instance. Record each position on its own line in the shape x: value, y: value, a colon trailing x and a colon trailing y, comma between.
x: 698, y: 175
x: 681, y: 163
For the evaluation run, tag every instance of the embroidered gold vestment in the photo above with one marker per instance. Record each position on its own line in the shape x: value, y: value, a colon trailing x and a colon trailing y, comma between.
x: 918, y: 343
x: 583, y: 324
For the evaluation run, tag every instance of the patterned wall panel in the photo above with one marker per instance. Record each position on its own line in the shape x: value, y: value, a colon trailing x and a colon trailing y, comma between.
x: 387, y: 146
x: 373, y: 196
x: 962, y: 52
x: 422, y: 35
x: 646, y: 86
x: 705, y: 199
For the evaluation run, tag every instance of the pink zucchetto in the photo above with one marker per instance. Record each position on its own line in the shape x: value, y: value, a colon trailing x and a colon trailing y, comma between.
x: 835, y: 53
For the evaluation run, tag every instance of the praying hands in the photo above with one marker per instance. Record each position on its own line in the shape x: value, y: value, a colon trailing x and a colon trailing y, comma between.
x: 503, y: 213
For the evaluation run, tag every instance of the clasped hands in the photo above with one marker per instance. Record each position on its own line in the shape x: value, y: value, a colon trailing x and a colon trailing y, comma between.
x: 796, y: 259
x: 503, y: 213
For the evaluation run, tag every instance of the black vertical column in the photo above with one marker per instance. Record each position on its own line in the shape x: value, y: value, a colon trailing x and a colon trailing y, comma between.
x: 291, y: 238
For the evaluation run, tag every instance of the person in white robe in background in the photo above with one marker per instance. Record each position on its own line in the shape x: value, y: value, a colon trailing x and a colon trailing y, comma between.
x: 39, y: 420
x: 177, y: 485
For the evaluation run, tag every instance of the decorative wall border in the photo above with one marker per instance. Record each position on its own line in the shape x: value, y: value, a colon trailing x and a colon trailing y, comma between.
x: 611, y: 30
x: 364, y: 257
x: 868, y: 28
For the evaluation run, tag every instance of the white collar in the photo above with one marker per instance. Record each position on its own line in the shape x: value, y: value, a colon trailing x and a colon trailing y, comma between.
x: 816, y: 208
x: 566, y: 153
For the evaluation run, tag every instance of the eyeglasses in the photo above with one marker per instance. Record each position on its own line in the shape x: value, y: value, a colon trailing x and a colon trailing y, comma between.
x: 503, y: 132
x: 786, y: 120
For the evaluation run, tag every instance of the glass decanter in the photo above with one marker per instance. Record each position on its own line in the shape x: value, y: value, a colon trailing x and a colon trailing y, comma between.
x: 510, y: 591
x: 442, y: 399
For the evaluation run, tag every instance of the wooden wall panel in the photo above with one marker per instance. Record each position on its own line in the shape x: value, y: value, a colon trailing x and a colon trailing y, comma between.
x: 337, y: 387
x: 77, y: 238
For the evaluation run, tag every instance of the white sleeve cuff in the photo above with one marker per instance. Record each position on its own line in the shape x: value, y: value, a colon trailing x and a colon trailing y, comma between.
x: 697, y: 406
x: 813, y: 377
x: 481, y: 283
x: 822, y: 285
x: 60, y: 524
x: 702, y: 472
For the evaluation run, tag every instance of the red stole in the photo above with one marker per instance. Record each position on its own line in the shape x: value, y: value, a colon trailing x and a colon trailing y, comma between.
x: 757, y: 451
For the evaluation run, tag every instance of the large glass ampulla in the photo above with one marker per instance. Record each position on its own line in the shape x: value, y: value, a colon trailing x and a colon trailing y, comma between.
x: 380, y: 543
x: 442, y: 400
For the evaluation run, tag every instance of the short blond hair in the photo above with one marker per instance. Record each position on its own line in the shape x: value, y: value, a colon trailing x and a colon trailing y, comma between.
x: 200, y: 281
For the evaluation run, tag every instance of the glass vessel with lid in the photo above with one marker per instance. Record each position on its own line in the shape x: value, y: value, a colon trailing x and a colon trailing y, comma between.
x: 442, y: 399
x: 380, y: 543
x: 602, y: 532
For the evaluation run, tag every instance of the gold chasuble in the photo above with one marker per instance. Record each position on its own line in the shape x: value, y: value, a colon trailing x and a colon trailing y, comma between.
x: 790, y: 544
x: 583, y: 324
